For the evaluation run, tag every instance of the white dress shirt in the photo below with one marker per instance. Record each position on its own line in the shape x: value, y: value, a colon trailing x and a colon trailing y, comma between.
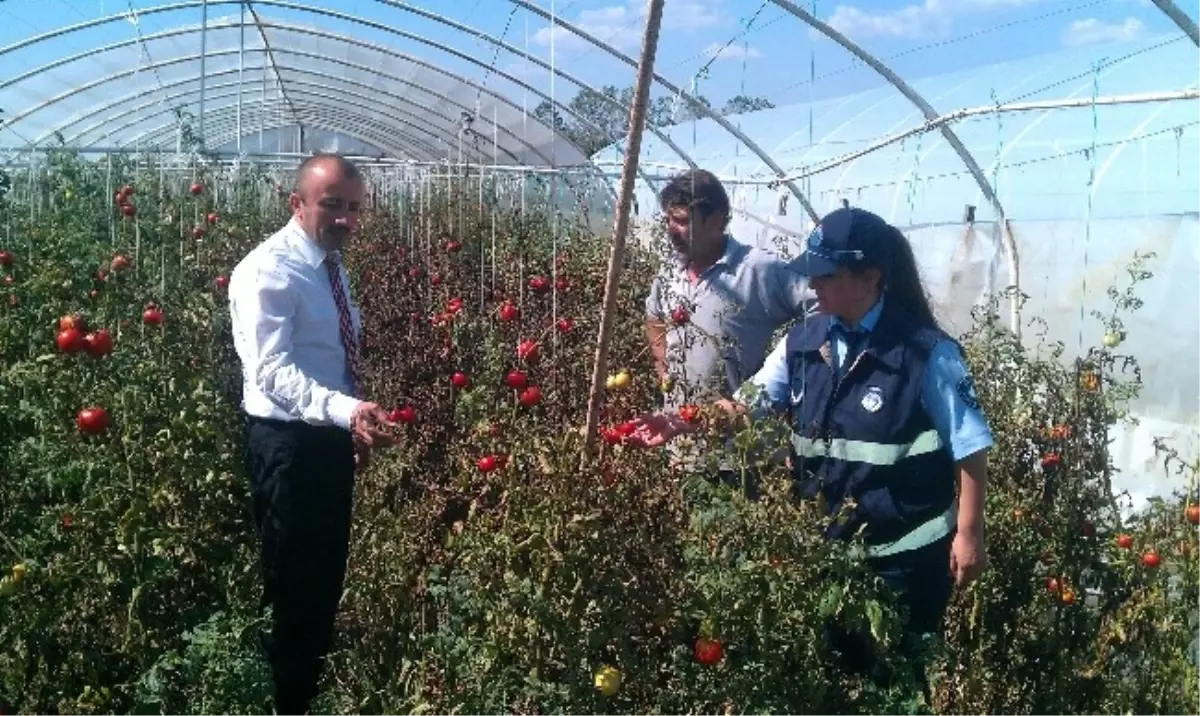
x: 287, y: 335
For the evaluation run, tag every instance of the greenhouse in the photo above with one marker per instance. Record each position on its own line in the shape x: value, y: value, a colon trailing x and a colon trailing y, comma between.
x: 497, y: 523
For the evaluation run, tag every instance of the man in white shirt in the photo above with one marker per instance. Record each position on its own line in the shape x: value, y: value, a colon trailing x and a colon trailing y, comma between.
x: 296, y: 331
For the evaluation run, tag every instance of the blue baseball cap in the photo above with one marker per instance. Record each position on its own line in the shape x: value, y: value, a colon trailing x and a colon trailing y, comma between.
x: 846, y: 237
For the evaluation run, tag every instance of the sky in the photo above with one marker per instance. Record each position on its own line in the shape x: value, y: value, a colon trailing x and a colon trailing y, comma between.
x: 718, y: 47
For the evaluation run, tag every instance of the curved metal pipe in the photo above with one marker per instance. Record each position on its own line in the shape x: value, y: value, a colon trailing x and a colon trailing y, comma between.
x: 327, y: 118
x: 930, y: 114
x: 430, y: 149
x: 1180, y: 18
x: 62, y: 128
x: 696, y: 105
x: 227, y: 25
x: 443, y: 137
x: 354, y: 19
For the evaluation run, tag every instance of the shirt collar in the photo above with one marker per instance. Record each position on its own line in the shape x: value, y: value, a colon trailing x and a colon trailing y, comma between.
x: 867, y: 324
x: 732, y: 251
x: 313, y: 254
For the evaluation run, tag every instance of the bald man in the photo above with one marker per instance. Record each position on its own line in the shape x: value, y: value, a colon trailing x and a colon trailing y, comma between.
x: 296, y: 332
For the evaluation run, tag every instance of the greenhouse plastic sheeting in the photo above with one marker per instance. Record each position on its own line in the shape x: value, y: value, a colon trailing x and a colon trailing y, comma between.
x: 371, y: 88
x: 1083, y: 190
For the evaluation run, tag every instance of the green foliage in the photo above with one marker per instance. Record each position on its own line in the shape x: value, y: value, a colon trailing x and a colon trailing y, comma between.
x: 133, y: 583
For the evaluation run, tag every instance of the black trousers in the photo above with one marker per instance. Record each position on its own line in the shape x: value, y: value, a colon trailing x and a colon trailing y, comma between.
x: 302, y: 484
x: 923, y: 585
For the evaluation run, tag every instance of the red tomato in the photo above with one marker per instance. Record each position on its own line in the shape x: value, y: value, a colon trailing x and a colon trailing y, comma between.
x: 407, y: 414
x: 99, y: 343
x: 487, y: 463
x: 1051, y: 460
x: 527, y: 350
x: 70, y: 341
x: 708, y: 651
x: 119, y: 262
x: 1052, y: 584
x: 1192, y: 513
x: 509, y: 312
x: 690, y: 413
x: 199, y: 232
x: 453, y: 247
x: 213, y: 217
x: 460, y: 380
x: 681, y: 315
x: 562, y: 284
x: 565, y: 325
x: 222, y: 282
x: 7, y: 258
x: 1151, y: 559
x: 92, y: 421
x: 530, y: 397
x: 1125, y: 541
x: 128, y: 209
x: 539, y: 284
x: 197, y: 189
x: 516, y: 380
x: 152, y: 317
x: 67, y: 323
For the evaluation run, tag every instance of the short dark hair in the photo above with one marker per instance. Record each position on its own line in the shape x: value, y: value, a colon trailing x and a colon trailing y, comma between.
x: 348, y: 168
x: 696, y: 189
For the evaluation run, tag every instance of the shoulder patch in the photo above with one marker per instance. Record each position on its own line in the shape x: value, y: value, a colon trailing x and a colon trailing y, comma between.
x: 927, y: 338
x: 966, y: 391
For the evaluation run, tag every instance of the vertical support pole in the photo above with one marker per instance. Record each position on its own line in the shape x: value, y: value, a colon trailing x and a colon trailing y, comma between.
x: 241, y: 71
x: 616, y: 259
x: 203, y: 78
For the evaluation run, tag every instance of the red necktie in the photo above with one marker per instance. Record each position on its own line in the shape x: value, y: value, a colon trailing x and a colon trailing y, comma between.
x: 332, y: 260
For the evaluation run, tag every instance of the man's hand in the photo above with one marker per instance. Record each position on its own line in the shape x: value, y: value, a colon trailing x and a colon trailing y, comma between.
x: 369, y: 424
x: 657, y: 429
x: 362, y: 457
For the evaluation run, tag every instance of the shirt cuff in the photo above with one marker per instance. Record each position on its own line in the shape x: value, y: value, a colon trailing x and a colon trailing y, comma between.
x: 341, y: 407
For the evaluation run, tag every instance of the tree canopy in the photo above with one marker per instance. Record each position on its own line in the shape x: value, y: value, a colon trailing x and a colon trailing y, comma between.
x: 601, y: 117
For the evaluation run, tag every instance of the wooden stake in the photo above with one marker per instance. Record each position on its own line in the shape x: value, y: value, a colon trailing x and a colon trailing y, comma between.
x: 616, y: 258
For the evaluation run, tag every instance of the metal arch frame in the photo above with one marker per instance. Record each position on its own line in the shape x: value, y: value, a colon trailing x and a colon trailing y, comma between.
x: 229, y: 25
x: 431, y: 148
x: 320, y: 11
x: 696, y: 105
x: 475, y: 61
x: 100, y: 124
x: 1180, y: 18
x: 324, y: 75
x: 444, y: 135
x: 328, y: 118
x: 156, y: 36
x: 1006, y: 237
x: 366, y: 132
x: 904, y: 89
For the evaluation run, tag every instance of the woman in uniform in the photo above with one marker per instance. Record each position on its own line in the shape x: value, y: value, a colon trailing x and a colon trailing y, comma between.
x: 883, y: 413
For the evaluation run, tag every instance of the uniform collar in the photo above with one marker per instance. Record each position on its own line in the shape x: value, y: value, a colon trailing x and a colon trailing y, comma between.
x: 313, y: 254
x: 868, y: 322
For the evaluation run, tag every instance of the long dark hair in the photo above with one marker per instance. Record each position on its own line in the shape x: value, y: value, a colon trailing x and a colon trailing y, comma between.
x: 902, y: 283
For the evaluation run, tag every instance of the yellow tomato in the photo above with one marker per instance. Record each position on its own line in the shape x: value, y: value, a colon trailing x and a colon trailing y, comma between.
x: 18, y: 571
x: 608, y: 680
x: 622, y: 379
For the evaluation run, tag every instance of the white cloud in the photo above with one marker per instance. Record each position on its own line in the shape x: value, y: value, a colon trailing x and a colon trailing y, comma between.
x: 1093, y: 32
x: 929, y: 18
x: 621, y: 24
x: 732, y: 52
